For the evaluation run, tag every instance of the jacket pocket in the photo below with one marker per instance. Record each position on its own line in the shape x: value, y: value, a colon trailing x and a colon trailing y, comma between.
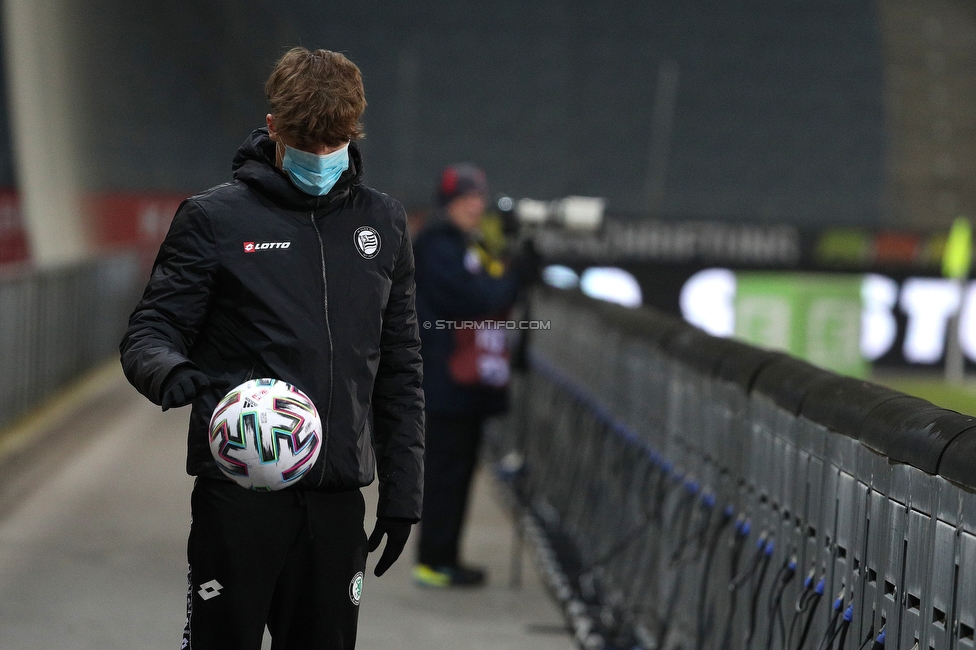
x: 367, y: 457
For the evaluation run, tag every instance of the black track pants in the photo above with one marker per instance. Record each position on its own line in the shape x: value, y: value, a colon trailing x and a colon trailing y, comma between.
x: 449, y: 460
x: 293, y: 560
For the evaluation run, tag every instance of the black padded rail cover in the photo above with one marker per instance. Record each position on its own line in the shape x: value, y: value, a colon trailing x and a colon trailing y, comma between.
x: 743, y: 363
x: 958, y: 462
x: 844, y: 403
x: 701, y: 351
x: 647, y: 324
x: 788, y: 380
x: 572, y: 296
x: 914, y: 431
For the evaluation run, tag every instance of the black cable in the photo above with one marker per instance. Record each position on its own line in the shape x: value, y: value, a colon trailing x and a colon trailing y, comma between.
x: 783, y: 578
x: 692, y: 488
x: 867, y: 639
x: 779, y: 609
x: 801, y: 605
x: 704, y: 622
x: 700, y: 534
x: 782, y: 627
x: 638, y: 531
x: 661, y: 493
x: 742, y: 530
x: 622, y: 544
x: 741, y: 579
x: 817, y: 595
x: 828, y: 638
x: 754, y: 606
x: 696, y: 539
x: 672, y: 599
x: 827, y: 641
x: 662, y: 468
x: 844, y: 627
x: 879, y: 642
x: 775, y: 594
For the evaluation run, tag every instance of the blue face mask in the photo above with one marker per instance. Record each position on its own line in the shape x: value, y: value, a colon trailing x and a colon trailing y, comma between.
x: 312, y: 173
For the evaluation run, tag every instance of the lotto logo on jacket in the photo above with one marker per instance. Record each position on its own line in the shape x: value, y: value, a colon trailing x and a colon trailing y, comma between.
x: 250, y: 247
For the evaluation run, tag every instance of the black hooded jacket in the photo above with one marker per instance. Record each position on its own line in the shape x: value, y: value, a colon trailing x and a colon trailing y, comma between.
x: 258, y: 279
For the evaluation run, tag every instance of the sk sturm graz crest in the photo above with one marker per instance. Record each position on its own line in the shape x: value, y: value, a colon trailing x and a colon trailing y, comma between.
x: 356, y: 588
x: 367, y: 242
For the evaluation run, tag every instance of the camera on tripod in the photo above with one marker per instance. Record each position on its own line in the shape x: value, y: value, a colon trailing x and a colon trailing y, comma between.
x: 573, y: 213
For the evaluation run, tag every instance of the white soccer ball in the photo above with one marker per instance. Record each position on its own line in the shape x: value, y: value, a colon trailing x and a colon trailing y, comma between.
x: 265, y: 434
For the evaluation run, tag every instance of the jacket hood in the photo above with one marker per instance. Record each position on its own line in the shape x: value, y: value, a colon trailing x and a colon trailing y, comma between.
x: 254, y: 164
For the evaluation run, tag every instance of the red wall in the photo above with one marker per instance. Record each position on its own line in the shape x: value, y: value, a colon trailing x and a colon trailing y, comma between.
x: 13, y: 238
x: 115, y: 221
x: 137, y: 221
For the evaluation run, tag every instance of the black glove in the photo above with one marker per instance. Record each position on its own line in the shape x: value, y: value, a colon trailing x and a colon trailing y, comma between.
x: 183, y: 384
x: 397, y: 531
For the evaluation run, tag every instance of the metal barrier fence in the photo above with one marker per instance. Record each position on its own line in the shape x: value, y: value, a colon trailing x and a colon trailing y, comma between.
x: 56, y: 324
x: 693, y: 492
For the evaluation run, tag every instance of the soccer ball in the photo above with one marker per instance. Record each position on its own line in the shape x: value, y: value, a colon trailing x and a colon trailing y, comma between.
x: 265, y: 434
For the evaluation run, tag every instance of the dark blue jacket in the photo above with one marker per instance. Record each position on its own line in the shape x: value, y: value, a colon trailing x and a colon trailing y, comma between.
x: 448, y: 291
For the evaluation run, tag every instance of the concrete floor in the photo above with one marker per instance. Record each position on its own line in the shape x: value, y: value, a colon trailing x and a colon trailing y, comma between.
x: 92, y: 547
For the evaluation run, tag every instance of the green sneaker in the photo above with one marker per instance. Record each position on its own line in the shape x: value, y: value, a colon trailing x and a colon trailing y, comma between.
x: 443, y: 576
x: 426, y: 576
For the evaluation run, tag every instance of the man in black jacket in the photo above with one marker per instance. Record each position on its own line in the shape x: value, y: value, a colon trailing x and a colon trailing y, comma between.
x: 294, y: 271
x: 460, y: 285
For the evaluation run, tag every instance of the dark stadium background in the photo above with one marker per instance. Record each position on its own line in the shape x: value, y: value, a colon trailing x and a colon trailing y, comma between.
x: 778, y: 108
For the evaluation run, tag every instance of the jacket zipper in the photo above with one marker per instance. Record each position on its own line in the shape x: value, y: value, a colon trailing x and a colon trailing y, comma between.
x: 328, y: 330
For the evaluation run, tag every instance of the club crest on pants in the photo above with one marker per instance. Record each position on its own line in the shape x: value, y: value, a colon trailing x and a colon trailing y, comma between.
x: 356, y: 588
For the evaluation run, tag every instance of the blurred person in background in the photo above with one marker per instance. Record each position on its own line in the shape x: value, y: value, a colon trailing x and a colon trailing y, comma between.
x: 461, y: 280
x: 296, y: 271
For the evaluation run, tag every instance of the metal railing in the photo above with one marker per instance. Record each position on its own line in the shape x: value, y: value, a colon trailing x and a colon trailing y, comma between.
x: 693, y: 492
x: 55, y: 324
